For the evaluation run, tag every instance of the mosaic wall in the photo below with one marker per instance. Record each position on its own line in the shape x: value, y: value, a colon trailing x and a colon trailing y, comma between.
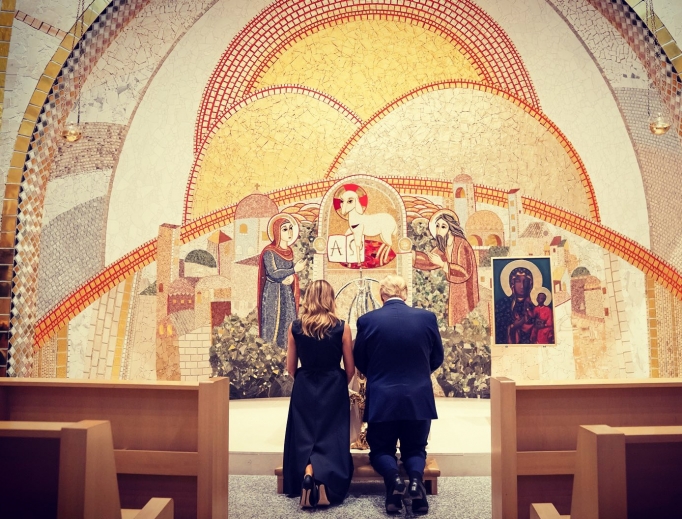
x: 233, y: 151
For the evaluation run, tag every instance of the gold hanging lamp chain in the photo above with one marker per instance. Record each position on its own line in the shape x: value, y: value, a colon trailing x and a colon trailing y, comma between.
x: 72, y: 131
x: 660, y: 122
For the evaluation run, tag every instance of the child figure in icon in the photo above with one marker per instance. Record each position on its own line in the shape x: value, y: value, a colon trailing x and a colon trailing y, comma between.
x: 278, y: 283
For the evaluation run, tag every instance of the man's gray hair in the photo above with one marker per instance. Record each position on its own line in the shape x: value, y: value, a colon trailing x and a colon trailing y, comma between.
x: 393, y: 286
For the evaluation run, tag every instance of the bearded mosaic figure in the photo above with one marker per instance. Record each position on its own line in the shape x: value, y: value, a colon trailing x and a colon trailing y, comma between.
x: 455, y: 256
x: 278, y: 284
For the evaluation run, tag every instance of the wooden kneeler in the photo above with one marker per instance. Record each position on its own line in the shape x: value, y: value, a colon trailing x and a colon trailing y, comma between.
x: 364, y: 472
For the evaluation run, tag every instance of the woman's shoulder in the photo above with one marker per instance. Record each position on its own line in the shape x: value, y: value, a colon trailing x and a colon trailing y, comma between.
x: 296, y: 326
x: 340, y: 326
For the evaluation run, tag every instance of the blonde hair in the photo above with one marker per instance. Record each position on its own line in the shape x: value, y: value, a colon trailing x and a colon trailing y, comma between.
x: 318, y: 313
x: 393, y: 286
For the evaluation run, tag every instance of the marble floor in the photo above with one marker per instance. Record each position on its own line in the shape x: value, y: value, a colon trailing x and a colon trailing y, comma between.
x: 458, y: 498
x: 460, y: 438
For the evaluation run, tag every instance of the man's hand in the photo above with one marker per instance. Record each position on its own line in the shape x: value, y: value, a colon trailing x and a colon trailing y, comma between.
x: 436, y: 259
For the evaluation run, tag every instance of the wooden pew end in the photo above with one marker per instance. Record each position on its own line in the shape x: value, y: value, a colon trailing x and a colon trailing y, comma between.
x: 156, y: 508
x: 545, y: 511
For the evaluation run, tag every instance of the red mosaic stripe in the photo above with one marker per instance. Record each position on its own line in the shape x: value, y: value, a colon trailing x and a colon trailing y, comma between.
x: 629, y: 250
x: 260, y: 94
x: 93, y: 289
x: 258, y: 44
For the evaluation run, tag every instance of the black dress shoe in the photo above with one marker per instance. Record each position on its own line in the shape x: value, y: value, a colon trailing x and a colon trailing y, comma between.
x: 308, y: 492
x: 395, y: 489
x: 417, y: 492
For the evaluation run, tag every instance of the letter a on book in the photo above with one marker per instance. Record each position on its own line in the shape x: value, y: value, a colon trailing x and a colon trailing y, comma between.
x: 342, y: 249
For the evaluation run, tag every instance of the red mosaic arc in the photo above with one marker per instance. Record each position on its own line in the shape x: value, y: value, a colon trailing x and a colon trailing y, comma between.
x: 239, y: 66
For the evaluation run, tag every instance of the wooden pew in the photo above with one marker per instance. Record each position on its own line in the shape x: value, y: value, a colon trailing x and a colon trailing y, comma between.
x: 170, y: 438
x: 83, y: 484
x: 620, y: 472
x: 364, y: 472
x: 535, y: 432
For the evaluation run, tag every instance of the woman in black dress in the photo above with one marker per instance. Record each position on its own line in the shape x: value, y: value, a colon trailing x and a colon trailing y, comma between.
x: 317, y: 462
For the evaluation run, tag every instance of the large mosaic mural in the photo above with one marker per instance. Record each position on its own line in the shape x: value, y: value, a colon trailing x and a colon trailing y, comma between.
x: 233, y: 151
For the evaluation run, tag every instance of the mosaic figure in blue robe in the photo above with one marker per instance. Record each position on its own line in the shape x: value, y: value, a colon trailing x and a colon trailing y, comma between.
x: 278, y: 284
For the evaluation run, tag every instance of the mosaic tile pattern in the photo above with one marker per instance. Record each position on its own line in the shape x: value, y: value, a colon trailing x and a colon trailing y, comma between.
x: 668, y: 313
x: 95, y: 151
x: 120, y: 78
x: 40, y: 25
x: 661, y: 71
x: 68, y: 250
x: 30, y: 52
x: 489, y: 48
x: 259, y: 139
x: 659, y: 158
x: 496, y: 142
x: 59, y: 101
x: 607, y: 238
x: 194, y: 354
x: 610, y: 341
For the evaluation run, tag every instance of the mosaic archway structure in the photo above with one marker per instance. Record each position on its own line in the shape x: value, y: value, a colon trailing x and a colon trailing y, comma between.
x: 240, y: 81
x: 479, y: 47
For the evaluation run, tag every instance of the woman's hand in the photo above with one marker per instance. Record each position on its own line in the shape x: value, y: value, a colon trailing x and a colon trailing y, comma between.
x: 288, y: 280
x: 300, y: 265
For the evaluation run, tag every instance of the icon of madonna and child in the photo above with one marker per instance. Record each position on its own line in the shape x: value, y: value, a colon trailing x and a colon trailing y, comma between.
x: 523, y: 301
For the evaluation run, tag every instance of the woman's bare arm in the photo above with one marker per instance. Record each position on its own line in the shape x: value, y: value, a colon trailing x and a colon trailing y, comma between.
x: 347, y: 344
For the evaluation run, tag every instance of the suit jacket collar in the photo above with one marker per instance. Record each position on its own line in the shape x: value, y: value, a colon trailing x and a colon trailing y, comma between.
x: 395, y: 302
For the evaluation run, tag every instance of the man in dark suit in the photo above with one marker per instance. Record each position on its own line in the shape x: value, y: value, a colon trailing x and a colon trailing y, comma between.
x: 397, y: 348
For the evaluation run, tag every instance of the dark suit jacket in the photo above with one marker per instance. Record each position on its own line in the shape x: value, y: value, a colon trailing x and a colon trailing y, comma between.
x: 397, y: 348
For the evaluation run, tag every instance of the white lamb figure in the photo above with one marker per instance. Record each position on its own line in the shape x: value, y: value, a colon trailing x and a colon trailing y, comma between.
x: 360, y: 224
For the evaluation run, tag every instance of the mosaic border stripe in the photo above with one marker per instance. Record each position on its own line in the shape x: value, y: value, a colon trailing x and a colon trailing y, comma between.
x: 652, y: 265
x: 30, y: 163
x: 478, y: 36
x: 627, y: 17
x: 7, y: 8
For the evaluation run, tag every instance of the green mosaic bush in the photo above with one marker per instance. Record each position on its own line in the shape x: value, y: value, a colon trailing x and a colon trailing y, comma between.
x: 255, y: 367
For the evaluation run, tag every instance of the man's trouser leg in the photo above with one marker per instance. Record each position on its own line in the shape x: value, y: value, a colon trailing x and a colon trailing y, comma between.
x: 413, y: 435
x: 382, y: 438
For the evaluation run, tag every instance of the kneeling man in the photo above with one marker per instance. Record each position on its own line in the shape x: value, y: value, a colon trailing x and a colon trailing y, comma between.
x: 397, y: 348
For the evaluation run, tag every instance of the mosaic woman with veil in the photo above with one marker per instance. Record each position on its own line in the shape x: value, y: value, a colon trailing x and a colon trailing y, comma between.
x: 278, y: 287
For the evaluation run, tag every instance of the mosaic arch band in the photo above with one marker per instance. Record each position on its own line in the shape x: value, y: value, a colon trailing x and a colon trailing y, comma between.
x: 455, y: 256
x: 522, y: 295
x: 278, y: 282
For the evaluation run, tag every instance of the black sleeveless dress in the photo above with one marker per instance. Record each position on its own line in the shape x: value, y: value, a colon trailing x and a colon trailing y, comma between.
x: 318, y: 427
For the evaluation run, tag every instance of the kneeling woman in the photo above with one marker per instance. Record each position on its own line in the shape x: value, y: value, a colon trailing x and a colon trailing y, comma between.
x: 317, y: 462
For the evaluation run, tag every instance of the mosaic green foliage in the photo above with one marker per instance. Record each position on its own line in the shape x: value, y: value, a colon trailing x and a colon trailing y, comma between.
x: 255, y: 367
x: 303, y: 249
x: 496, y: 251
x: 466, y: 369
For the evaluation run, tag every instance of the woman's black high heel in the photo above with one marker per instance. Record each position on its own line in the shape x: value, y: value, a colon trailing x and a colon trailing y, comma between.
x: 308, y: 492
